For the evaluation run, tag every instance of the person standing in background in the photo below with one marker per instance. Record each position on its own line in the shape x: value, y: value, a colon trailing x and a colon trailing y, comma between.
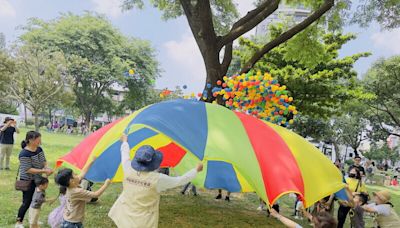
x: 7, y: 141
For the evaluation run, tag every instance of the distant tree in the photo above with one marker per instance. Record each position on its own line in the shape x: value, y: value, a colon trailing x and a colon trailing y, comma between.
x: 383, y: 80
x: 98, y: 56
x: 40, y: 75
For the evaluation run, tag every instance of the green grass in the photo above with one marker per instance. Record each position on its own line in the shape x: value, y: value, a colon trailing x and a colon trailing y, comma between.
x: 175, y: 210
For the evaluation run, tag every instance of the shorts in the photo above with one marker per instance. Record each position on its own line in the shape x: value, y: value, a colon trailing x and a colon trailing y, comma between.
x: 66, y: 224
x: 34, y: 216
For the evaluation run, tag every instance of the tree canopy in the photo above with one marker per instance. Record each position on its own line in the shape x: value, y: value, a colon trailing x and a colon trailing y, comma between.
x: 98, y: 55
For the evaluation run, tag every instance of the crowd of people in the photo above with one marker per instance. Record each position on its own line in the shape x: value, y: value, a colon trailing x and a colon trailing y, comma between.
x: 138, y: 204
x: 358, y: 203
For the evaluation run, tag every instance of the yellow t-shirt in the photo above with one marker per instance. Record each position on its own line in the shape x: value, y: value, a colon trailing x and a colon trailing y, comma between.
x: 353, y: 185
x: 76, y: 202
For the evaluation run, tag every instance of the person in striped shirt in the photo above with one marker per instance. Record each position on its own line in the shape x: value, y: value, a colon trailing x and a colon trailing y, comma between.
x: 32, y: 164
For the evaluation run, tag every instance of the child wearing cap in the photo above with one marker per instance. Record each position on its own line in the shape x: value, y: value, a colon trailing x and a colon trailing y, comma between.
x: 386, y: 217
x: 77, y: 197
x: 138, y: 204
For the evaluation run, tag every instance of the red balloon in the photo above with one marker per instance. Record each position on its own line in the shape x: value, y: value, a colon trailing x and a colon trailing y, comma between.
x: 219, y: 82
x: 199, y: 94
x: 224, y: 84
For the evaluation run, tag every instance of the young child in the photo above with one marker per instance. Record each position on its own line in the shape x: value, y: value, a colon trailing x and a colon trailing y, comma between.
x: 39, y: 197
x: 56, y: 216
x: 356, y: 202
x: 76, y: 196
x: 394, y: 182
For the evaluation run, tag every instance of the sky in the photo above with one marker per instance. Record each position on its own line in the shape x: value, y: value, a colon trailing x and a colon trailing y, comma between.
x: 177, y: 52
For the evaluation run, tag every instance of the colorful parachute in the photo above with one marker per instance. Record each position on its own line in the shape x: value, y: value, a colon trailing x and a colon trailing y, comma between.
x: 240, y: 153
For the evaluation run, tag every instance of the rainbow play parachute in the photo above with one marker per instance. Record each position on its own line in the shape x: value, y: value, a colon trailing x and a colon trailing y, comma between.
x: 240, y: 152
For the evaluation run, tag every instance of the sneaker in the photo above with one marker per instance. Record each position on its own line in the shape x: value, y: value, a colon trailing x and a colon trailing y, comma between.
x: 260, y: 208
x: 195, y: 194
x: 219, y: 196
x: 227, y: 199
x: 183, y: 193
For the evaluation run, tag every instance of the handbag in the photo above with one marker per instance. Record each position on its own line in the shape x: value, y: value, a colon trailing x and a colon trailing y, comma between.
x: 22, y: 185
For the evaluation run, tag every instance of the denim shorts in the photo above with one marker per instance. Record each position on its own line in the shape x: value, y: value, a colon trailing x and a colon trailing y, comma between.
x: 66, y: 224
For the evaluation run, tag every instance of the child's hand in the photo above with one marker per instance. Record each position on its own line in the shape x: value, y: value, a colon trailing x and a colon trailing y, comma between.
x: 107, y: 182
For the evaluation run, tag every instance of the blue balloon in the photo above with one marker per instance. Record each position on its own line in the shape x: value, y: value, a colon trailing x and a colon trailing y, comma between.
x: 184, y: 86
x: 208, y: 86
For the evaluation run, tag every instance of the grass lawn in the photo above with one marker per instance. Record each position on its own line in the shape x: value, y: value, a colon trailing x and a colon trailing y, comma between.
x: 175, y: 210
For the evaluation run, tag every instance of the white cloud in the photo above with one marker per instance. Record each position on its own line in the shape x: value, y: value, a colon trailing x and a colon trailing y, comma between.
x: 110, y: 8
x: 184, y: 65
x: 387, y: 40
x: 6, y: 9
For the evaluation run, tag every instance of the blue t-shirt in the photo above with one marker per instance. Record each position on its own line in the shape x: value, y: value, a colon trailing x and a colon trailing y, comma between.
x: 7, y: 136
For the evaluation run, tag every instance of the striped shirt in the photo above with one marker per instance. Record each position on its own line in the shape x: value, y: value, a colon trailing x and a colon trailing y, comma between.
x: 28, y: 160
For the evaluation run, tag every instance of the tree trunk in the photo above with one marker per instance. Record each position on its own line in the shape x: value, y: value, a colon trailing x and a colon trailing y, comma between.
x: 50, y: 116
x: 36, y: 121
x: 337, y: 150
x: 25, y: 115
x: 88, y: 118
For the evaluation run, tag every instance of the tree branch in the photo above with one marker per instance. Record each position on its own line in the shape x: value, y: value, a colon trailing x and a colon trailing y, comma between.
x: 328, y: 4
x: 227, y: 58
x: 248, y: 22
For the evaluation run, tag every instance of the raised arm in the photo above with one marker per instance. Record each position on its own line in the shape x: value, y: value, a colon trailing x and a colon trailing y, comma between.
x: 125, y: 151
x: 166, y: 182
x: 285, y: 221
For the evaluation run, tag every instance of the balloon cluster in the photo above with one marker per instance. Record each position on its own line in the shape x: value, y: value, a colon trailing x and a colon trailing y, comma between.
x: 258, y: 95
x: 165, y: 93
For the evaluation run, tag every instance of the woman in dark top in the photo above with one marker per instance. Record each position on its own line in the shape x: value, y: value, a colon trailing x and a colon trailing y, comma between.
x: 7, y: 141
x: 32, y: 163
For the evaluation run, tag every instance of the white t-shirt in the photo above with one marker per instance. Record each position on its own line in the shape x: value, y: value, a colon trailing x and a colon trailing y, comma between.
x: 381, y: 209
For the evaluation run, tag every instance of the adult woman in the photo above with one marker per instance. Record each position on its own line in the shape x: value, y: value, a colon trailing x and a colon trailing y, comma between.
x: 355, y: 184
x: 32, y: 163
x: 386, y: 217
x: 7, y: 141
x: 138, y: 204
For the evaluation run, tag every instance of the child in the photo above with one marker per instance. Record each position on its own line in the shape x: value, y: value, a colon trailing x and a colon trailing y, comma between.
x: 39, y: 197
x: 76, y: 196
x: 56, y: 216
x: 356, y: 212
x: 394, y: 182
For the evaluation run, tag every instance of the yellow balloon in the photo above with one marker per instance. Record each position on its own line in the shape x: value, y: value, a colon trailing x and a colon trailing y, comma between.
x: 131, y: 71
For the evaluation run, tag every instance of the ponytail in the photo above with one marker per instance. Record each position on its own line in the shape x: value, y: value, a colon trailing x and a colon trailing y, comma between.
x: 30, y: 135
x: 23, y: 144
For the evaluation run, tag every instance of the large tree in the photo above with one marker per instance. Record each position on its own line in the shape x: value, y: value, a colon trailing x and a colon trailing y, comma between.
x: 98, y: 56
x: 40, y: 75
x: 216, y: 25
x: 383, y: 80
